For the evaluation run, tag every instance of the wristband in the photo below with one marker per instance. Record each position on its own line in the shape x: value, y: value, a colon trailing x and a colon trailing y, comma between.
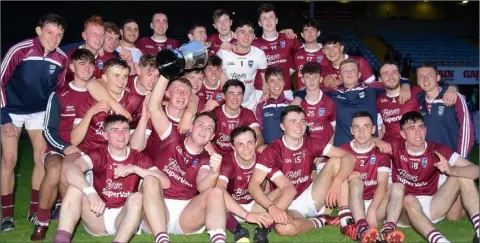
x: 88, y: 190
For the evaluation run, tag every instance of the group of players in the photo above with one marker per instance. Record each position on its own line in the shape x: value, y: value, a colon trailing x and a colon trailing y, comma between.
x: 128, y: 151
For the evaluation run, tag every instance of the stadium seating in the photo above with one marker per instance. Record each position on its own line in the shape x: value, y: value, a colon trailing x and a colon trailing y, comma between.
x: 442, y: 49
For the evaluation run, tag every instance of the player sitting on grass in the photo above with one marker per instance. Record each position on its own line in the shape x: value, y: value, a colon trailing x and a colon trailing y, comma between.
x: 108, y: 203
x: 288, y: 163
x: 418, y: 164
x: 237, y: 168
x: 190, y: 169
x: 368, y: 185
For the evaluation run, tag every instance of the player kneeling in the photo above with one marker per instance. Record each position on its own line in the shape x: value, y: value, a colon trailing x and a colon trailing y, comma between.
x: 368, y: 184
x: 190, y: 169
x: 237, y: 168
x: 288, y: 162
x: 418, y: 164
x: 110, y: 204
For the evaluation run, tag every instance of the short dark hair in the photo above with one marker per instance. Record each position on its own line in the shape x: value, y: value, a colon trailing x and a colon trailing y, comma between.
x: 410, y: 117
x: 289, y: 109
x: 428, y: 65
x: 265, y: 8
x: 207, y: 114
x: 148, y: 60
x: 219, y: 13
x: 311, y: 23
x: 214, y: 61
x: 54, y: 19
x: 153, y: 15
x: 127, y: 21
x: 114, y: 118
x: 181, y: 80
x: 193, y: 70
x: 273, y: 71
x: 388, y: 62
x: 360, y: 114
x: 115, y: 62
x: 233, y: 83
x: 242, y: 23
x: 83, y: 54
x: 239, y: 130
x: 332, y: 39
x: 311, y: 68
x: 111, y: 28
x: 194, y: 26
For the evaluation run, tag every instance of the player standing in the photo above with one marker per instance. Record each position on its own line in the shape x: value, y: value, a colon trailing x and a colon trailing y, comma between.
x: 268, y: 111
x: 222, y: 22
x: 31, y: 70
x: 129, y: 31
x: 311, y: 51
x: 232, y: 115
x: 158, y: 41
x: 244, y: 61
x: 211, y: 91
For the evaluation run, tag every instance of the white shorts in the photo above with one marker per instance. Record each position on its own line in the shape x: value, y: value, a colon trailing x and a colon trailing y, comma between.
x: 367, y: 204
x: 425, y: 202
x: 305, y: 205
x: 248, y: 208
x: 32, y: 121
x: 51, y: 152
x: 175, y: 208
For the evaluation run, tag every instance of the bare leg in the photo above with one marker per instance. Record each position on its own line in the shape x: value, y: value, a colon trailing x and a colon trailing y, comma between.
x: 67, y: 161
x: 9, y: 161
x: 49, y: 187
x: 418, y: 219
x: 204, y: 209
x: 156, y: 212
x: 395, y: 202
x: 357, y: 205
x: 39, y: 147
x: 128, y: 219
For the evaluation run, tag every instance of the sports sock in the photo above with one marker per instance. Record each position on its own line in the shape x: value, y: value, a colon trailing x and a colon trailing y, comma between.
x: 436, y: 237
x: 7, y: 205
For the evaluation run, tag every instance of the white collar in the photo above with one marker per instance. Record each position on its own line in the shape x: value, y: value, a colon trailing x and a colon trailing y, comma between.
x: 359, y: 150
x: 270, y: 39
x: 78, y: 89
x: 310, y: 102
x: 119, y: 158
x: 290, y: 147
x: 417, y: 153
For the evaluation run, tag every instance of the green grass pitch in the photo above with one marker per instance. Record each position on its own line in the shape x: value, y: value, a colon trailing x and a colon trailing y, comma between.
x: 459, y: 231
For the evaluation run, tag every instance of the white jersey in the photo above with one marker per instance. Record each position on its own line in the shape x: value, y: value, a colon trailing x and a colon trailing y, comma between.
x: 244, y: 67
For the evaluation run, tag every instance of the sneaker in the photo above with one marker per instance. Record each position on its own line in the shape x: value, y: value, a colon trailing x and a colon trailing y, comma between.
x: 8, y: 224
x: 475, y: 238
x: 349, y: 230
x: 367, y: 235
x: 240, y: 233
x: 39, y: 233
x: 392, y: 236
x: 260, y: 235
x: 32, y: 218
x: 56, y: 211
x: 331, y: 220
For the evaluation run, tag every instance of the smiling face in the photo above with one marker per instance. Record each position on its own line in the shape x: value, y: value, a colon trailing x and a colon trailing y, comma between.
x: 130, y: 32
x: 179, y: 94
x: 276, y: 84
x: 212, y: 74
x: 333, y: 52
x: 244, y: 145
x: 427, y: 78
x: 117, y: 135
x: 117, y: 79
x: 159, y: 24
x: 268, y: 21
x: 94, y: 36
x: 196, y: 79
x: 349, y: 74
x: 294, y: 125
x: 362, y: 129
x: 50, y: 36
x: 233, y: 97
x: 390, y: 76
x: 148, y: 76
x: 244, y: 36
x: 82, y: 69
x: 203, y: 130
x: 111, y: 42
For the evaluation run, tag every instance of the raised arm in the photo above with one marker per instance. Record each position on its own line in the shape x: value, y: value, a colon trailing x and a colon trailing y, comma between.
x: 157, y: 114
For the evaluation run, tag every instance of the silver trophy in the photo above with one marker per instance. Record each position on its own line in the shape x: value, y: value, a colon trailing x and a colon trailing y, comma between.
x: 192, y: 55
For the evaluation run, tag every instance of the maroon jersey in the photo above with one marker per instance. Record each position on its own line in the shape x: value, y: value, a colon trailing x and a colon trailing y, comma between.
x: 99, y: 62
x: 417, y: 171
x: 303, y: 56
x: 114, y: 192
x: 94, y: 137
x: 279, y: 53
x: 155, y: 142
x: 181, y: 166
x: 295, y: 163
x: 132, y: 87
x: 226, y: 124
x: 320, y: 116
x: 237, y: 178
x: 367, y: 75
x: 368, y: 163
x: 147, y: 45
x: 392, y: 111
x: 205, y: 94
x: 216, y: 42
